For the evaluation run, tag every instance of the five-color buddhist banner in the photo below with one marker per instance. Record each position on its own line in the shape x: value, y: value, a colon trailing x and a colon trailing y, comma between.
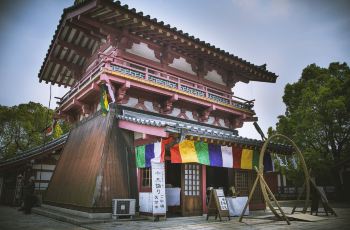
x: 147, y: 153
x: 189, y: 151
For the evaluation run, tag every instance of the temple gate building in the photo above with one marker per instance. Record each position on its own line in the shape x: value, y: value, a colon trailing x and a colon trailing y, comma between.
x: 162, y: 85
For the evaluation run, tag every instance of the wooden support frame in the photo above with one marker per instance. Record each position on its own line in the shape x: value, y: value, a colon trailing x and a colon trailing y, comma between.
x: 265, y: 188
x: 327, y: 208
x: 260, y: 178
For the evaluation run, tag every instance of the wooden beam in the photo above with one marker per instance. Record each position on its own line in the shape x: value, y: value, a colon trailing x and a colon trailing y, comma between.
x: 100, y: 26
x: 144, y: 30
x: 63, y: 74
x: 100, y: 12
x: 77, y: 49
x: 86, y: 30
x: 71, y: 66
x: 138, y: 25
x: 82, y: 9
x: 110, y: 15
x: 128, y: 22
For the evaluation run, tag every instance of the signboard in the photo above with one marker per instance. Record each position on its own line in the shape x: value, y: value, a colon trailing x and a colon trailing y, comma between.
x: 158, y: 189
x: 223, y: 203
x: 217, y: 204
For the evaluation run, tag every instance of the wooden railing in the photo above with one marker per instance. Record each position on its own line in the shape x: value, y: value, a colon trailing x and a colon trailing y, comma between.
x: 161, y: 78
x: 87, y: 78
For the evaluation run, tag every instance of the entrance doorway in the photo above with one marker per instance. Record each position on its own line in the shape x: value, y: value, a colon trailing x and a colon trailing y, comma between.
x: 217, y: 177
x: 173, y: 188
x: 191, y: 189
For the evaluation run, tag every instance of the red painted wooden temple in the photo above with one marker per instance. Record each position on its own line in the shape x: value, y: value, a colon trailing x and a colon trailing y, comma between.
x: 165, y: 84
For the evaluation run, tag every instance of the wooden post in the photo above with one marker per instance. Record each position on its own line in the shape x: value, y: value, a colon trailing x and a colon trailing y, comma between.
x: 298, y: 198
x: 323, y: 199
x: 273, y: 197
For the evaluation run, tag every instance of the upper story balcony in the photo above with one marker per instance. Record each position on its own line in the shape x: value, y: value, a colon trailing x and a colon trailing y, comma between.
x: 119, y: 69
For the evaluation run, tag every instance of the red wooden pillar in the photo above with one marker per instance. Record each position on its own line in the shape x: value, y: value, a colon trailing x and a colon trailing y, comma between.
x: 138, y: 180
x: 204, y: 188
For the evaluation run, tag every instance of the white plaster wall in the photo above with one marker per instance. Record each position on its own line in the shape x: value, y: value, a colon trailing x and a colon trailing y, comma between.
x: 149, y: 106
x: 214, y: 77
x: 222, y: 122
x: 132, y: 102
x: 143, y: 50
x: 210, y: 120
x: 175, y: 112
x: 182, y: 64
x: 190, y: 115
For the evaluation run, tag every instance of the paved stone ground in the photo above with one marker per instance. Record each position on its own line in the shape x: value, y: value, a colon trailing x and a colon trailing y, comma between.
x: 10, y: 218
x: 331, y: 222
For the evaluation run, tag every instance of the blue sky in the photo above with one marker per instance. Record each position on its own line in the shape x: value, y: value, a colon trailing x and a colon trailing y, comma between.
x: 287, y: 35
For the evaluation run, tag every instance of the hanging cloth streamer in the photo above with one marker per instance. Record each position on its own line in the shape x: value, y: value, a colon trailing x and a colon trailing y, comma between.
x: 189, y: 151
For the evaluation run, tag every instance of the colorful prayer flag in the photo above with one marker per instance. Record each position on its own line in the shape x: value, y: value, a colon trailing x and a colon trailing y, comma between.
x: 175, y: 155
x: 247, y: 159
x: 215, y: 156
x: 237, y: 153
x: 227, y: 157
x: 145, y: 154
x: 189, y: 151
x: 104, y: 100
x: 268, y: 164
x: 202, y: 152
x: 57, y: 130
x: 256, y: 155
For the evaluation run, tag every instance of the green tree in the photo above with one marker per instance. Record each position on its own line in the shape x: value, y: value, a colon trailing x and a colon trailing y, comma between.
x: 22, y: 127
x: 317, y: 116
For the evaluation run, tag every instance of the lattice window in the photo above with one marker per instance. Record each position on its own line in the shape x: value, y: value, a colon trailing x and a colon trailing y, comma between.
x: 192, y: 180
x: 244, y: 180
x: 146, y: 177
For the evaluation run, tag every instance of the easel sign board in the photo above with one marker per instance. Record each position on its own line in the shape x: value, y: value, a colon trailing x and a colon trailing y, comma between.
x: 158, y: 189
x: 218, y: 205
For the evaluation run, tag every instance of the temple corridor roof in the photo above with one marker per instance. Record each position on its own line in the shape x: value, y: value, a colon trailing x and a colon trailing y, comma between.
x: 36, y: 151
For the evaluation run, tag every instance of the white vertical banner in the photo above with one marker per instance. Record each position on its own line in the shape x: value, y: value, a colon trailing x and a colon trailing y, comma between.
x: 158, y: 188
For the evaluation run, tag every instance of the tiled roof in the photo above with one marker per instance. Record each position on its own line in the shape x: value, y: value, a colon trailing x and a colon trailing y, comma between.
x: 30, y: 153
x: 197, y: 130
x: 247, y: 66
x: 175, y: 125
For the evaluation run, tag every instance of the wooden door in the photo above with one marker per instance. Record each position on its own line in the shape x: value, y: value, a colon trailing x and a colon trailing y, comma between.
x: 244, y: 180
x: 191, y: 190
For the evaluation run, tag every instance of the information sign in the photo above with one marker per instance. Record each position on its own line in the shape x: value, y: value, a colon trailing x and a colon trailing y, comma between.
x: 158, y: 189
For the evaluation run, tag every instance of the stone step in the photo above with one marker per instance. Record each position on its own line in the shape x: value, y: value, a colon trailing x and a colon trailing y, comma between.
x: 66, y: 217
